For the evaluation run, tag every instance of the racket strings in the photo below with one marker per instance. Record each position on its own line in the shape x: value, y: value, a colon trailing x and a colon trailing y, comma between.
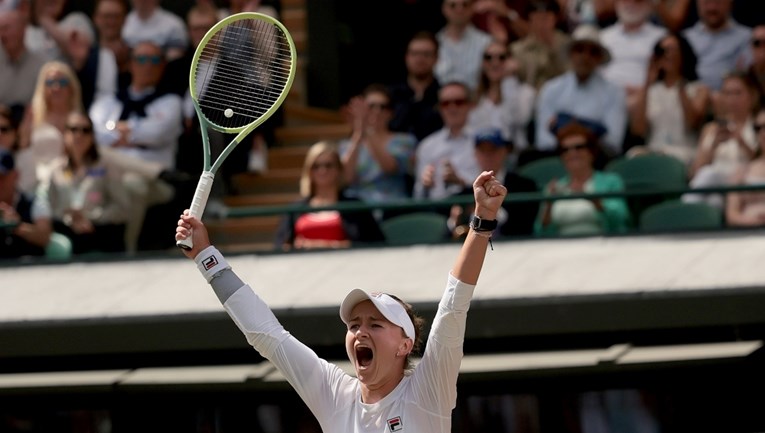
x: 242, y: 71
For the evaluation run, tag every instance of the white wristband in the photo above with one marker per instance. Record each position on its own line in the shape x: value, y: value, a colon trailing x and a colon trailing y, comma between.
x: 210, y: 261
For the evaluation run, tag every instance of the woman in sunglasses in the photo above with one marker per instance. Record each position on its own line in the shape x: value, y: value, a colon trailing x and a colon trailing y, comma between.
x: 578, y: 149
x: 57, y: 93
x: 84, y: 192
x: 322, y: 184
x: 669, y: 110
x: 503, y: 102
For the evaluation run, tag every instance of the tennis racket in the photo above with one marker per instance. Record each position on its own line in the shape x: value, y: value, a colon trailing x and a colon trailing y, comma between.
x: 240, y: 74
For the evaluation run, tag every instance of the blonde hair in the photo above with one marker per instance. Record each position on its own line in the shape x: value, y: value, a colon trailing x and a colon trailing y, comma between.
x: 317, y: 149
x: 38, y: 106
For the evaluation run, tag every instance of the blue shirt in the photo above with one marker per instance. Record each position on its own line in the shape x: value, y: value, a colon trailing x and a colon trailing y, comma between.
x: 596, y: 99
x: 718, y: 52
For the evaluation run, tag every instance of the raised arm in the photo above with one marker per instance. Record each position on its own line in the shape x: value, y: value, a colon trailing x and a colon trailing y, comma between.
x: 489, y: 194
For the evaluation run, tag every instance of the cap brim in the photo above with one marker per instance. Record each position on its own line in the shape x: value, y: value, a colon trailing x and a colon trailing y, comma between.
x: 388, y: 307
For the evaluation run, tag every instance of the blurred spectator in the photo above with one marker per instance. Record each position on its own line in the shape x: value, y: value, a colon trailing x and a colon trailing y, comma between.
x: 747, y: 208
x: 676, y: 15
x: 514, y: 218
x: 461, y: 44
x: 672, y: 105
x: 145, y: 122
x: 584, y: 93
x: 236, y: 6
x: 84, y: 194
x: 69, y: 37
x: 630, y: 41
x: 415, y: 99
x: 58, y: 33
x: 500, y: 20
x: 9, y: 136
x: 757, y: 66
x: 502, y: 102
x: 322, y: 185
x: 728, y: 142
x: 21, y: 232
x: 377, y: 161
x: 57, y: 93
x: 719, y: 41
x: 598, y: 13
x: 445, y: 159
x: 148, y: 21
x: 578, y: 148
x: 19, y: 66
x: 109, y: 18
x: 543, y: 54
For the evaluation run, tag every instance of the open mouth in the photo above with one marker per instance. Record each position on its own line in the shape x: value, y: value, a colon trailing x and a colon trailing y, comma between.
x: 364, y: 356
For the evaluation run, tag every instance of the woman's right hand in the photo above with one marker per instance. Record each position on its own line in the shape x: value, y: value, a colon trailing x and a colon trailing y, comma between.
x: 191, y: 226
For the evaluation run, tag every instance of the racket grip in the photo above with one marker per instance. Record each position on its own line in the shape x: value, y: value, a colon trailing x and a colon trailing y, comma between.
x: 198, y: 204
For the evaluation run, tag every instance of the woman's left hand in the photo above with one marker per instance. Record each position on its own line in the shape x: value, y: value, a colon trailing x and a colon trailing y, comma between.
x: 489, y: 194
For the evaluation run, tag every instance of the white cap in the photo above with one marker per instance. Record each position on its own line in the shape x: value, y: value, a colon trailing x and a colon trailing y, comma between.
x: 388, y: 307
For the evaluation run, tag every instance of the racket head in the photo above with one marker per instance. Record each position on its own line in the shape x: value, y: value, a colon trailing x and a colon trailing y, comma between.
x: 242, y: 71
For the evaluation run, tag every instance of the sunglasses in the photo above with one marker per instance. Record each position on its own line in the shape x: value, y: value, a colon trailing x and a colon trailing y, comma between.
x: 81, y: 129
x: 489, y: 57
x: 5, y: 128
x: 456, y: 102
x: 566, y: 149
x: 378, y: 106
x: 324, y: 165
x: 757, y: 43
x: 60, y: 82
x: 759, y: 127
x: 143, y: 59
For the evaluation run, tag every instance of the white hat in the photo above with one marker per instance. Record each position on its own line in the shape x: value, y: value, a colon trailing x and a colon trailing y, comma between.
x: 590, y: 33
x: 388, y: 307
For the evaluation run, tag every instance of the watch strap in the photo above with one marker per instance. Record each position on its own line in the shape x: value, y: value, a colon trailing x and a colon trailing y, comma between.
x: 481, y: 225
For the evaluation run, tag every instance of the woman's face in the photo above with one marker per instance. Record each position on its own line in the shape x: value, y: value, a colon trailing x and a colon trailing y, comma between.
x: 575, y: 153
x: 325, y: 171
x: 735, y: 98
x: 8, y: 134
x: 494, y: 61
x: 78, y: 135
x: 58, y: 89
x: 670, y: 58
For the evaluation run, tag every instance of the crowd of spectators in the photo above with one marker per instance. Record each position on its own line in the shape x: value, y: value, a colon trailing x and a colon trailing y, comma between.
x: 581, y: 80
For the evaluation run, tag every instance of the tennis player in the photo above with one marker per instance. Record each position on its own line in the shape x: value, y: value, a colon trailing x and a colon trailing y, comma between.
x: 387, y: 394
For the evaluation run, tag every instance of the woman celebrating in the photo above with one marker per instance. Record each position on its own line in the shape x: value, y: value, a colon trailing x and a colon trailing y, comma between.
x: 727, y: 143
x: 578, y: 149
x: 383, y: 332
x: 747, y: 209
x: 377, y: 162
x: 669, y: 110
x: 85, y: 194
x: 322, y: 185
x: 503, y: 102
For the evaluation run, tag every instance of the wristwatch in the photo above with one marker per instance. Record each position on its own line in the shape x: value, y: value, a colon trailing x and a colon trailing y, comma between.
x: 482, y: 225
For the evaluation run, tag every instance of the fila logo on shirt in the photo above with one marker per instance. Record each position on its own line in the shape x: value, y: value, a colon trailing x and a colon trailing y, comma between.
x: 395, y: 424
x: 209, y: 262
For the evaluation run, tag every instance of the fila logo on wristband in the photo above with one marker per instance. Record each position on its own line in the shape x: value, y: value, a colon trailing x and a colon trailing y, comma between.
x: 209, y: 262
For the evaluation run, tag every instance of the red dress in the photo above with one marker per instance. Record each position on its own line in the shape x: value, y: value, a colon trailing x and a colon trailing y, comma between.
x: 320, y: 226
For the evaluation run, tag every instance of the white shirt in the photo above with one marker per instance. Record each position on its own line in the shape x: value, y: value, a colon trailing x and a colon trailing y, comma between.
x: 441, y: 146
x: 422, y: 402
x: 164, y: 28
x: 155, y: 137
x: 461, y: 60
x: 511, y: 116
x: 630, y: 53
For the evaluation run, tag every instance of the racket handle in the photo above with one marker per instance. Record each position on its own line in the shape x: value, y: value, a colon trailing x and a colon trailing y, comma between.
x: 198, y: 204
